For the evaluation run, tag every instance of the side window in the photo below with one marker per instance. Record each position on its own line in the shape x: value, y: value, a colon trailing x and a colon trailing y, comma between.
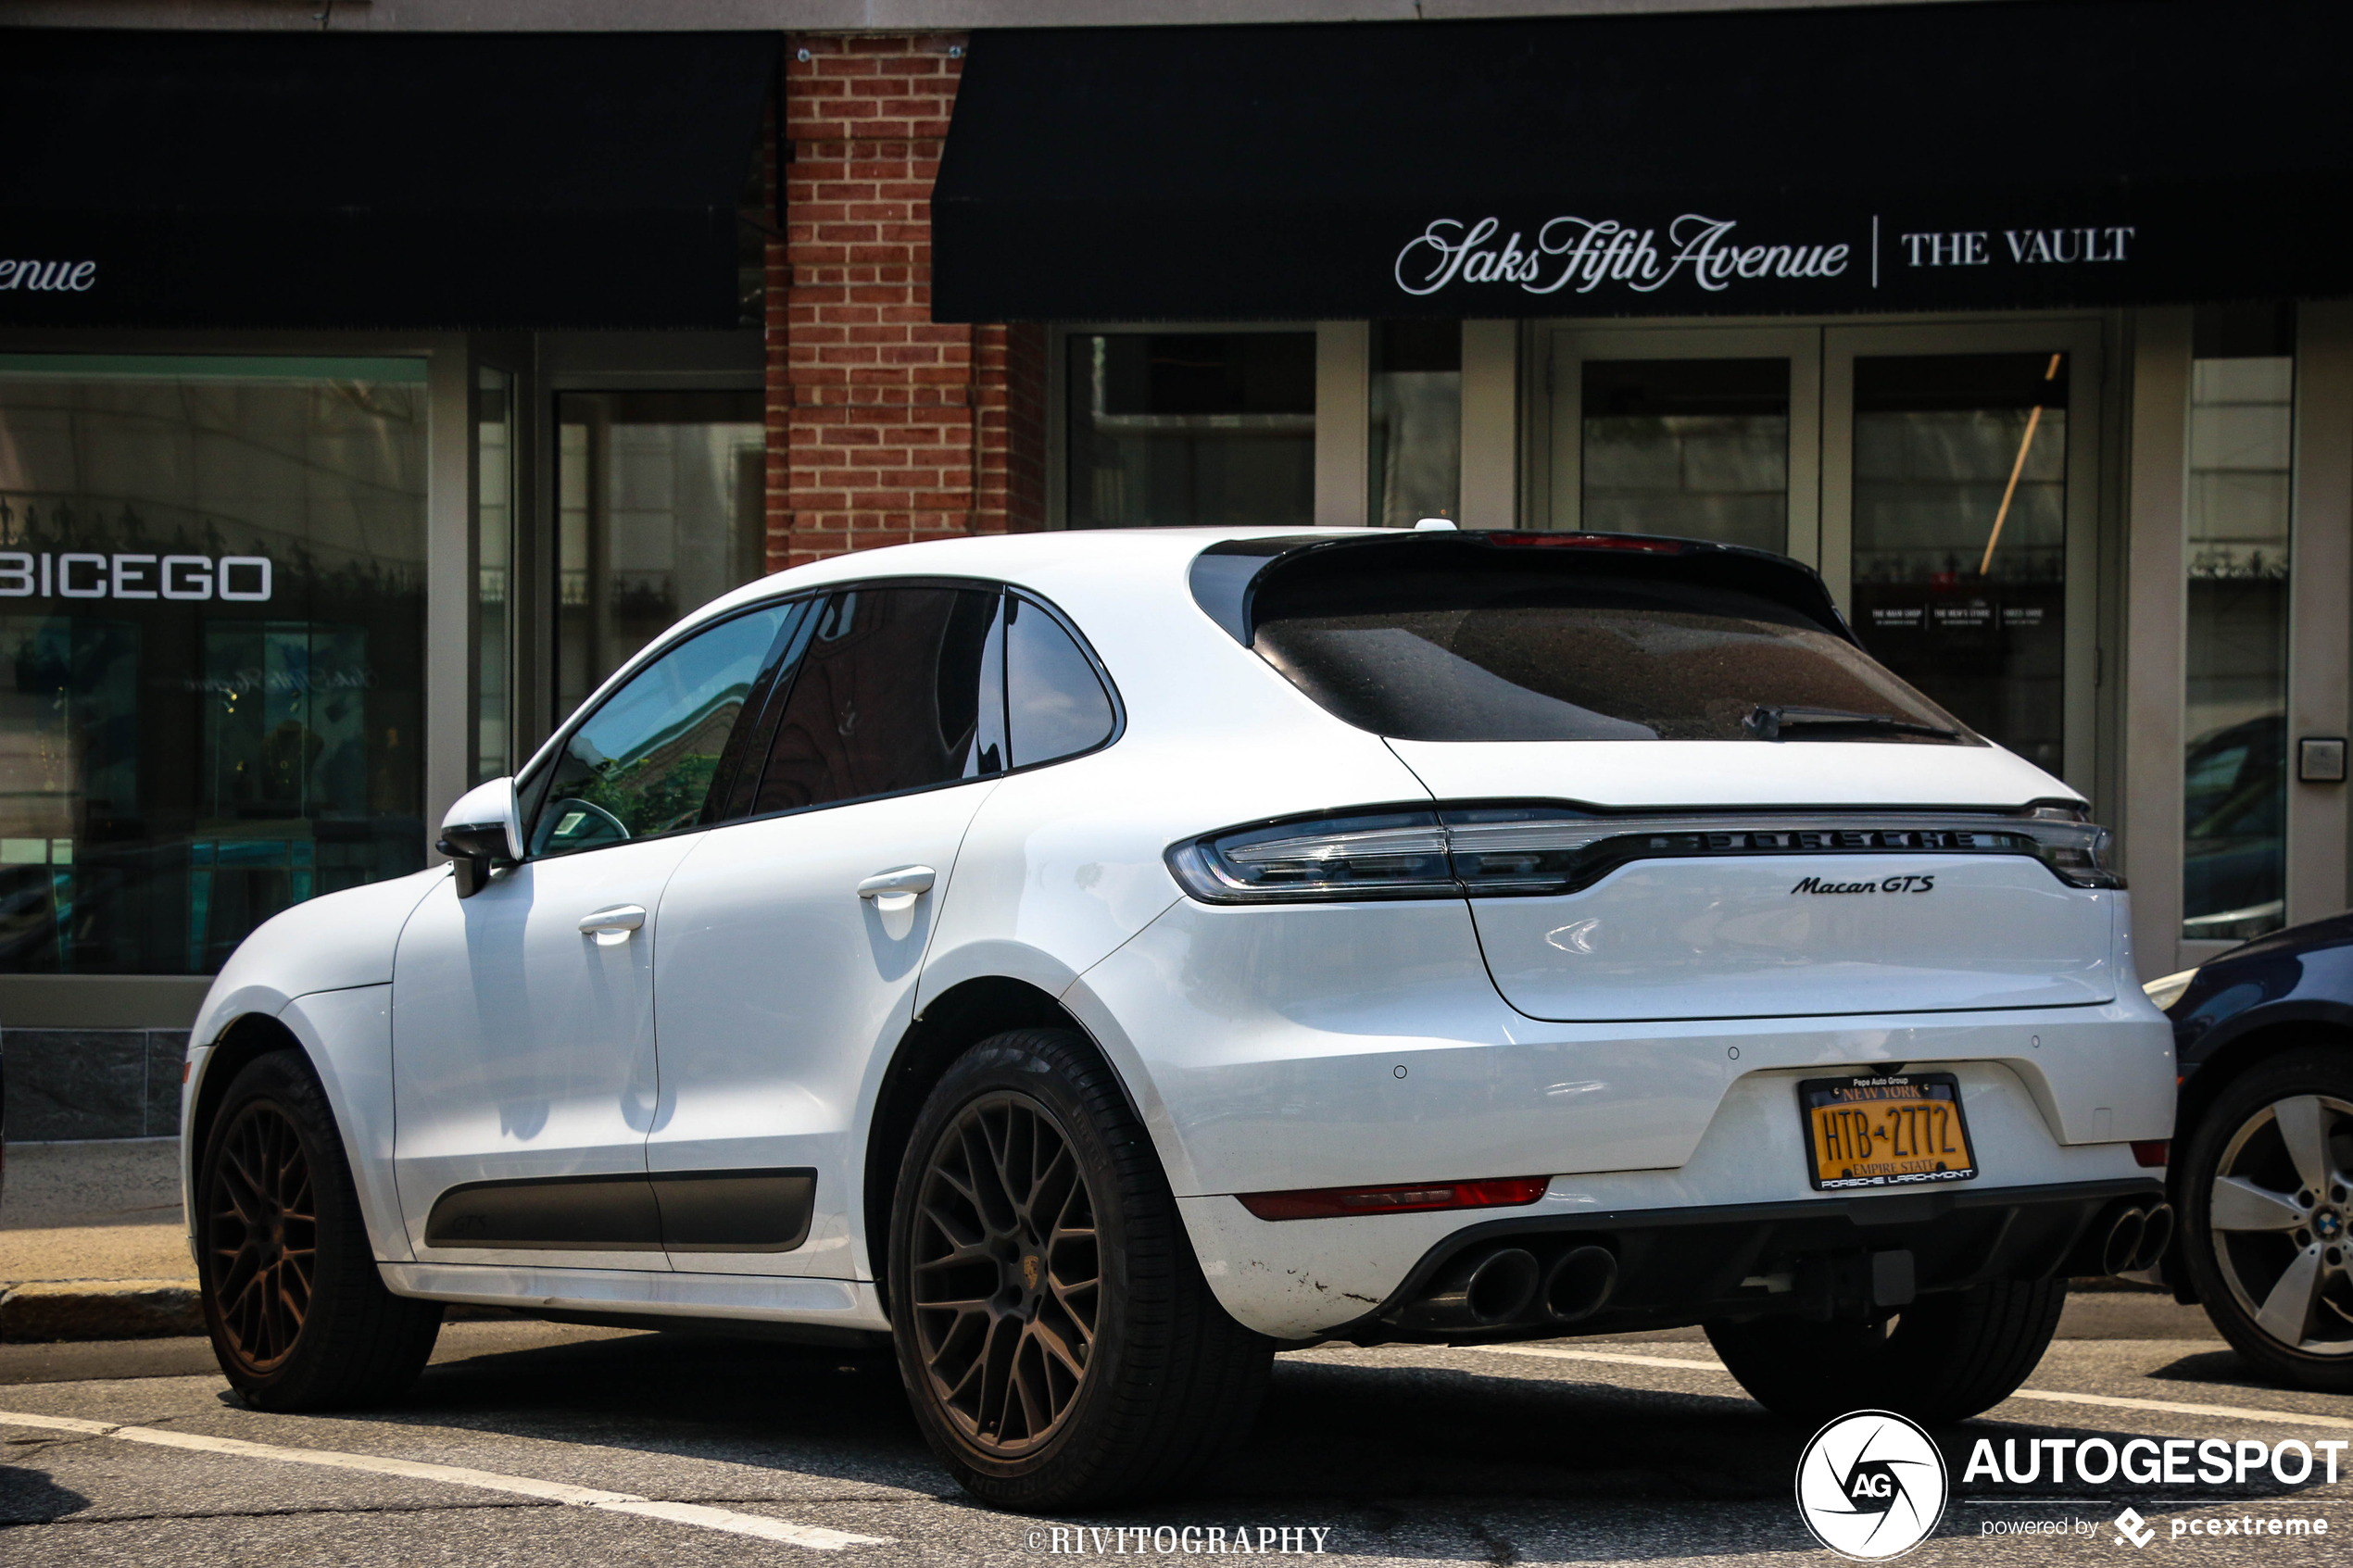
x: 898, y: 691
x: 644, y: 763
x: 1055, y: 705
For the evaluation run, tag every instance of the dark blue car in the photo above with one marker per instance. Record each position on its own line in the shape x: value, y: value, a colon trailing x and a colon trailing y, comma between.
x: 2262, y: 1167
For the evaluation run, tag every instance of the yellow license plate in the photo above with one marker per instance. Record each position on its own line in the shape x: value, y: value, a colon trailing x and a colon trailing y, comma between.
x: 1899, y: 1130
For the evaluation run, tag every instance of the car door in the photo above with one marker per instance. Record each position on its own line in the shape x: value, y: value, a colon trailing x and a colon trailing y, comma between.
x: 524, y: 1075
x: 792, y: 940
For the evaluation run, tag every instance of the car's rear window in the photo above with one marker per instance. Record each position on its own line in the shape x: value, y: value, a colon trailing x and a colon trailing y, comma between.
x: 1583, y: 649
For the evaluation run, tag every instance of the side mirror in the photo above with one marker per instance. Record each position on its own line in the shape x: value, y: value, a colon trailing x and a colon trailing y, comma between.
x: 482, y: 830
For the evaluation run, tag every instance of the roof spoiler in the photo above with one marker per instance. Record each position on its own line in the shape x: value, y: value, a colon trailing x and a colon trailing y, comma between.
x: 1227, y: 576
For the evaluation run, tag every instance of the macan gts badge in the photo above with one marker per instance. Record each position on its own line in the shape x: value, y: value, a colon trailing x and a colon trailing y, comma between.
x: 1091, y: 964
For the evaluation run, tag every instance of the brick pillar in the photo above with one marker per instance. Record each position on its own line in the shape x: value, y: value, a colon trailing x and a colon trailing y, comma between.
x: 885, y: 427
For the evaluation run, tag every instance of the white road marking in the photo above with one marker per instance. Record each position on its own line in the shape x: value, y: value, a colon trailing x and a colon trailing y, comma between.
x: 2112, y: 1402
x: 698, y: 1514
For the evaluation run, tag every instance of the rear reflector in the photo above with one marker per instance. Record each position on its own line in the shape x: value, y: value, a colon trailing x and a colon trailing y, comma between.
x: 1325, y: 1203
x: 2152, y: 1152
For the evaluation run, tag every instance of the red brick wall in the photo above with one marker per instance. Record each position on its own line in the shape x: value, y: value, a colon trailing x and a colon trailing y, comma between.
x: 883, y: 427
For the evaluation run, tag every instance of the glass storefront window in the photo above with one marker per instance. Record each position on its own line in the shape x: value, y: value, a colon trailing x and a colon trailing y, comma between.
x: 1416, y: 447
x: 211, y: 629
x: 1695, y: 448
x: 2234, y: 709
x: 1961, y: 536
x: 494, y: 550
x: 661, y: 500
x: 1175, y: 427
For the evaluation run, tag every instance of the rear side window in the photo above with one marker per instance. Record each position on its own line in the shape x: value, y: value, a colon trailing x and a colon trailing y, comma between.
x: 1055, y: 705
x: 1568, y: 646
x: 898, y: 690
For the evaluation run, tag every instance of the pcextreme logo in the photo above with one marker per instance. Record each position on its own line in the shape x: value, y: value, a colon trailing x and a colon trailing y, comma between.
x: 1871, y: 1486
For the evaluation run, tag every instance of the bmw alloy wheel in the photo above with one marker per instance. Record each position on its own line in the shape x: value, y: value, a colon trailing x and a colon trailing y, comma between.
x: 2277, y: 1215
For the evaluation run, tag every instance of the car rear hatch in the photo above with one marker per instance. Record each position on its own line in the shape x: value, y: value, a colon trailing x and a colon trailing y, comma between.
x: 1670, y: 785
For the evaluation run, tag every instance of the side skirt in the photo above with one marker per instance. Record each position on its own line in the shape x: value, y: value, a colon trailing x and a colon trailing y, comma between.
x: 752, y: 1298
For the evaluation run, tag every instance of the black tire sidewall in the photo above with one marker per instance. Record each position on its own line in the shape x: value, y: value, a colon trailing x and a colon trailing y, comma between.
x: 2311, y: 1070
x: 285, y: 1081
x: 1056, y: 1072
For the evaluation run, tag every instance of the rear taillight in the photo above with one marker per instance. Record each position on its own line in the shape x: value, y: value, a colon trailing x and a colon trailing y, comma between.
x: 1503, y: 851
x: 1331, y: 1203
x: 2152, y: 1153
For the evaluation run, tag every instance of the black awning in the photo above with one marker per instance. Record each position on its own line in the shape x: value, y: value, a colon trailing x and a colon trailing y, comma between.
x: 333, y: 179
x: 1903, y: 158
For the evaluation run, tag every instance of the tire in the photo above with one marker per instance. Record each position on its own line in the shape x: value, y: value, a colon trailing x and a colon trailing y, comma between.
x: 1059, y: 1344
x: 1946, y: 1357
x: 2265, y: 1211
x: 298, y: 1315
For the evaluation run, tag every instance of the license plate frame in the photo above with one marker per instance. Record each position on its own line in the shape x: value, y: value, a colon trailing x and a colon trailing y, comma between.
x: 1824, y: 1112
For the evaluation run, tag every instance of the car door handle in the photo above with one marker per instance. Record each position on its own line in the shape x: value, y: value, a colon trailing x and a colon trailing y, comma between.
x: 613, y: 925
x: 895, y: 890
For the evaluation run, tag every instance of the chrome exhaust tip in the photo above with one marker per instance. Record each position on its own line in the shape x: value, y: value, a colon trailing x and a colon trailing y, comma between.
x: 1580, y: 1284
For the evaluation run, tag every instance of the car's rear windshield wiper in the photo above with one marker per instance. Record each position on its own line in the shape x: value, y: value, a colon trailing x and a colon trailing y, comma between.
x: 1790, y: 723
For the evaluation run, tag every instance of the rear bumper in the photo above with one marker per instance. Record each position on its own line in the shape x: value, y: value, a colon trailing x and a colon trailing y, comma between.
x: 1811, y: 1259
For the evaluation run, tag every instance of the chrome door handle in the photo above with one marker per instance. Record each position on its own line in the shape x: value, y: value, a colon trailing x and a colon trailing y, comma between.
x: 612, y: 925
x: 896, y: 890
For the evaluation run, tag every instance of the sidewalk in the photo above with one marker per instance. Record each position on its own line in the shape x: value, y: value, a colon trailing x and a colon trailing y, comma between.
x: 92, y: 1245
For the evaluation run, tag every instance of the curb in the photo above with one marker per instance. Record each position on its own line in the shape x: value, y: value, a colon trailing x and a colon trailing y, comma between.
x: 100, y: 1308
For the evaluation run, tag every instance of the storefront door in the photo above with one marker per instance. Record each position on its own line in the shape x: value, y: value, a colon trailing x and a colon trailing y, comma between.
x: 1942, y: 478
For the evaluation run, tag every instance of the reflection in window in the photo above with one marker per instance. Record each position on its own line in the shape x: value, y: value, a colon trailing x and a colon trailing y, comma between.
x: 2234, y: 706
x: 1961, y: 536
x: 660, y: 500
x: 1175, y: 427
x: 211, y: 649
x: 1416, y: 421
x: 494, y: 536
x: 1695, y: 448
x: 642, y: 764
x: 898, y: 691
x: 1055, y: 705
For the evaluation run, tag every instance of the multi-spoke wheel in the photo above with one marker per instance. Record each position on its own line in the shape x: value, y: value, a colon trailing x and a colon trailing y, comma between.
x: 299, y: 1316
x: 1006, y: 1279
x: 2269, y: 1194
x: 260, y: 1226
x: 1054, y: 1332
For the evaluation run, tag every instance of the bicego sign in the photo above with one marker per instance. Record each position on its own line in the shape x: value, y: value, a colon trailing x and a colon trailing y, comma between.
x: 86, y: 575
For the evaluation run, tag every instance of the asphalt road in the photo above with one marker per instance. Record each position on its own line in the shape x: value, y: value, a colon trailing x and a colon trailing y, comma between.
x: 580, y: 1444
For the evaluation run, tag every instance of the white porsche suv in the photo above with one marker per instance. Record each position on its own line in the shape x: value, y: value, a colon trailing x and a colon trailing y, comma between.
x: 1095, y: 961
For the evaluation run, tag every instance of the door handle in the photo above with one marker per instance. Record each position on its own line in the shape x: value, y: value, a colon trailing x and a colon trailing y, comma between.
x: 895, y: 890
x: 613, y: 925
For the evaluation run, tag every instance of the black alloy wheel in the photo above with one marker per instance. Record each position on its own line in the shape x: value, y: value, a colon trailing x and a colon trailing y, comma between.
x: 293, y: 1300
x: 2268, y: 1196
x: 260, y: 1223
x: 1006, y: 1279
x: 1059, y: 1344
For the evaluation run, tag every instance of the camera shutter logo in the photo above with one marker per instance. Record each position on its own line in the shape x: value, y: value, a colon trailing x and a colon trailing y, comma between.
x: 1872, y: 1485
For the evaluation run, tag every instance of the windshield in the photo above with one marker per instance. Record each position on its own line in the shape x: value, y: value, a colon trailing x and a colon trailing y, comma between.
x: 1593, y: 653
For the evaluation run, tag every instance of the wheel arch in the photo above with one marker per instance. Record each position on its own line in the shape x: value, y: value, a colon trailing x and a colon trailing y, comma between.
x: 2245, y: 1050
x: 950, y: 1024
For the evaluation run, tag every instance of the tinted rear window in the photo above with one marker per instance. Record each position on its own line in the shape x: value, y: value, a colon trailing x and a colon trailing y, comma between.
x: 1571, y: 648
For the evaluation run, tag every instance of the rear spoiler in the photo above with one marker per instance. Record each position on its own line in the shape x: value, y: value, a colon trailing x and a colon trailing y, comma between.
x: 1227, y: 577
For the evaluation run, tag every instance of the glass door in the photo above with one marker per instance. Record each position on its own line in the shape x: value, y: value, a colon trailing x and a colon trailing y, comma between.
x: 1698, y: 433
x: 1957, y: 520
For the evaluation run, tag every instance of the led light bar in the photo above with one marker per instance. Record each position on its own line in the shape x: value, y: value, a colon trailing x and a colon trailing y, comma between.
x: 1331, y: 1203
x: 1533, y: 850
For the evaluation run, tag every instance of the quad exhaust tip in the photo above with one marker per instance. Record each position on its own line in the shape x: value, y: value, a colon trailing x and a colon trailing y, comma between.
x: 2136, y: 1238
x: 1506, y: 1284
x: 1580, y: 1284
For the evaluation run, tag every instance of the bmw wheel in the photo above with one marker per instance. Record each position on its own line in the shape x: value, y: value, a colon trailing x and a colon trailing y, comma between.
x: 2268, y: 1196
x: 298, y: 1316
x: 1056, y: 1337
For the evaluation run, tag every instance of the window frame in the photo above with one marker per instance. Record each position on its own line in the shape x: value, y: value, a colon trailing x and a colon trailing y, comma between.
x: 532, y: 789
